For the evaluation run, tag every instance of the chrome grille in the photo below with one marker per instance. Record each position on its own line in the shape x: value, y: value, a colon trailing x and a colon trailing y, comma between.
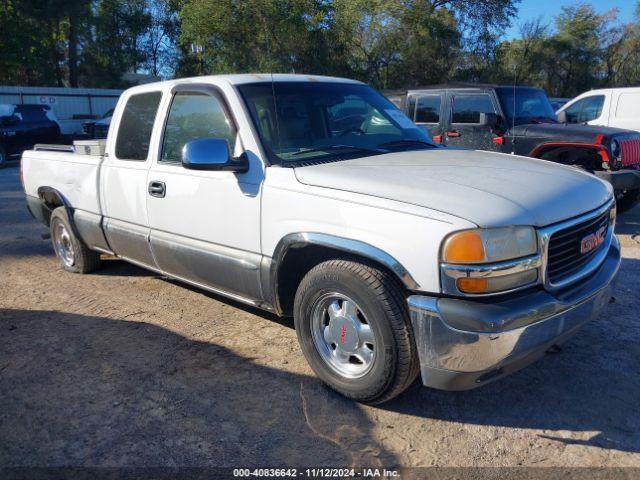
x: 564, y: 258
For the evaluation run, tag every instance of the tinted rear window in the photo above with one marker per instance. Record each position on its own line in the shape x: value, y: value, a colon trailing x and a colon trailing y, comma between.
x: 468, y: 107
x: 32, y: 113
x: 428, y: 109
x: 136, y: 125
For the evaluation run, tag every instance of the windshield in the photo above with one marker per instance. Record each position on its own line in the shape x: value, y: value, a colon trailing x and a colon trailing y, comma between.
x: 318, y: 120
x: 531, y: 106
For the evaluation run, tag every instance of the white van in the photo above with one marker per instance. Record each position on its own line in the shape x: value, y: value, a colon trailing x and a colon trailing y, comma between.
x: 613, y: 107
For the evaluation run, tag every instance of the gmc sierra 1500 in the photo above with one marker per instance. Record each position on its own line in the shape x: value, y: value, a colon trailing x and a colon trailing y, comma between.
x: 316, y: 197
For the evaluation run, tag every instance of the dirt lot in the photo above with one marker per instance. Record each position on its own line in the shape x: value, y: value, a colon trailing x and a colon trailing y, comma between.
x: 124, y: 368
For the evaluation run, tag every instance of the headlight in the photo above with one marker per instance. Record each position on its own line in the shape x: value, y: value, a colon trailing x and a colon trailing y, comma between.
x: 490, y: 245
x: 484, y: 261
x: 615, y: 149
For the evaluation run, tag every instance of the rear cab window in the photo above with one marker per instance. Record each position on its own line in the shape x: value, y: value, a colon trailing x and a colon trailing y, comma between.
x: 136, y: 126
x: 32, y: 113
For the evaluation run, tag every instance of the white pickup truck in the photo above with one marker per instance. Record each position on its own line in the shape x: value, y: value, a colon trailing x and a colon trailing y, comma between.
x: 316, y: 198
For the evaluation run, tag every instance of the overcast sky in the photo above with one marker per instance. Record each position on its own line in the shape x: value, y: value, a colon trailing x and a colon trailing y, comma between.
x: 547, y: 9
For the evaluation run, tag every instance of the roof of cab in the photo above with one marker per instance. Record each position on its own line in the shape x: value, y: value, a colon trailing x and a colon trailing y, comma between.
x: 244, y: 78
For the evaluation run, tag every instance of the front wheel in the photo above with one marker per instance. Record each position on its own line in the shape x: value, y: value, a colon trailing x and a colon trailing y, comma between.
x: 627, y: 199
x: 353, y: 327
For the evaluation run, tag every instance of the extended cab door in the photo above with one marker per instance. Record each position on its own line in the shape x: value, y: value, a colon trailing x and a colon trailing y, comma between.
x: 123, y: 178
x: 466, y: 122
x: 205, y: 225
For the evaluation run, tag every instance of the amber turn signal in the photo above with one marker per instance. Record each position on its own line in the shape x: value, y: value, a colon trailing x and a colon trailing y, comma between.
x: 464, y: 247
x: 472, y: 285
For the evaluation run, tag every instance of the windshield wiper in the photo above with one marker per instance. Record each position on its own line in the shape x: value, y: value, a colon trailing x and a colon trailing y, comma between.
x: 401, y: 143
x: 338, y: 147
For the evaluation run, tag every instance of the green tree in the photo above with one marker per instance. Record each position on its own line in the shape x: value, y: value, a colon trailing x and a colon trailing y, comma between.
x: 586, y: 50
x: 254, y: 35
x: 621, y: 59
x: 31, y: 42
x: 116, y: 44
x: 385, y: 42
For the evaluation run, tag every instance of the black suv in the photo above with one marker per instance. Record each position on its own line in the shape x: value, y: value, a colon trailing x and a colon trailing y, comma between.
x: 520, y: 120
x: 22, y: 126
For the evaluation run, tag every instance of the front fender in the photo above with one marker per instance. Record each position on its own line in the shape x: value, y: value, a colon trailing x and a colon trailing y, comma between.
x: 346, y: 245
x: 333, y: 244
x: 596, y: 148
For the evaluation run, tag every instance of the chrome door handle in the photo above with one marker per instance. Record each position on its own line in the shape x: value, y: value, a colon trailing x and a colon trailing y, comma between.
x: 157, y: 189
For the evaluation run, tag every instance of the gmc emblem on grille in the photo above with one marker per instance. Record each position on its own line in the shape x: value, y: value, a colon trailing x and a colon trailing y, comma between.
x: 592, y: 241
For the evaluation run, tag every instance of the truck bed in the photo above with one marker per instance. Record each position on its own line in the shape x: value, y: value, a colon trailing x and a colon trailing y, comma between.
x: 74, y: 175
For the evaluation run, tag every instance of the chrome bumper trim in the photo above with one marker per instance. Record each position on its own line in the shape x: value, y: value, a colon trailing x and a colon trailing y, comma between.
x: 456, y: 359
x: 450, y: 273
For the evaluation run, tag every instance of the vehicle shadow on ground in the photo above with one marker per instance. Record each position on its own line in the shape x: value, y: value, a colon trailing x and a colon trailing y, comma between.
x: 99, y: 391
x: 591, y: 388
x: 115, y: 267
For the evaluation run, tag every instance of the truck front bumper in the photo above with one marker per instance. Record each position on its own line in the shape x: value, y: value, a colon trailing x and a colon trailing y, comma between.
x: 621, y: 179
x: 463, y: 344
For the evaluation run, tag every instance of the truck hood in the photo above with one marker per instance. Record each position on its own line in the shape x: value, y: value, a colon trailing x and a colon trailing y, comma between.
x: 568, y: 132
x: 485, y: 188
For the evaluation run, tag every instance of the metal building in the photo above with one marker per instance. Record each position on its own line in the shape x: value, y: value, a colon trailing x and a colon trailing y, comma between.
x: 72, y: 106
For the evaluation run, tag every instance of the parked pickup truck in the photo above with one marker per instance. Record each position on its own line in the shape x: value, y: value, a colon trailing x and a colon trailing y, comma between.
x: 521, y: 120
x: 316, y: 198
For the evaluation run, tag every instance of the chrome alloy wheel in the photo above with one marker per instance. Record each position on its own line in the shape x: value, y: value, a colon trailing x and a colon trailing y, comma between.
x: 63, y: 244
x: 342, y: 335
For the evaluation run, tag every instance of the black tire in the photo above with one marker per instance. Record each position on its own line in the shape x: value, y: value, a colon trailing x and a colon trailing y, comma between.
x: 84, y: 260
x: 627, y: 199
x: 3, y: 157
x: 381, y: 299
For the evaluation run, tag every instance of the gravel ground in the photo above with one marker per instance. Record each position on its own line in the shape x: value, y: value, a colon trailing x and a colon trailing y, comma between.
x: 125, y: 368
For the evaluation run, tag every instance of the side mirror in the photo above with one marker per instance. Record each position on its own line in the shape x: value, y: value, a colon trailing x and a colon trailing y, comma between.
x: 489, y: 120
x: 212, y: 154
x: 562, y: 116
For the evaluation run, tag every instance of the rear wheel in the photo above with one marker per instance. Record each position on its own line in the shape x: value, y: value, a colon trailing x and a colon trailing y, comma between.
x: 74, y: 256
x: 627, y: 199
x: 354, y: 330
